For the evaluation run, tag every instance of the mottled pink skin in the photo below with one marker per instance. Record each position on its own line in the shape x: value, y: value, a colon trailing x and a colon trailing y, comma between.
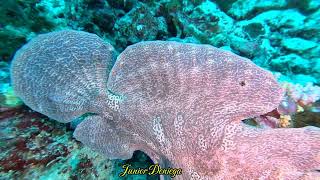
x: 180, y: 103
x: 183, y: 105
x: 62, y: 74
x: 284, y: 153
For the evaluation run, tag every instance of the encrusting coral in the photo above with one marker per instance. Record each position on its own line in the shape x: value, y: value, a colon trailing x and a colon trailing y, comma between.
x: 183, y: 104
x: 301, y: 105
x: 303, y: 95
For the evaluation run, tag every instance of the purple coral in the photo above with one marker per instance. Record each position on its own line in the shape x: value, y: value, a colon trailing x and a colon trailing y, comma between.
x: 183, y: 104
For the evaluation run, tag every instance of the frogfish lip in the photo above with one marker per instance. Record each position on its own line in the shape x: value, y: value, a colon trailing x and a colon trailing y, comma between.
x: 274, y: 113
x: 270, y: 119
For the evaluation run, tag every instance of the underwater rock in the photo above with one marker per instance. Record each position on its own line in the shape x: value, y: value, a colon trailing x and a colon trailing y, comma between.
x: 139, y: 24
x: 250, y: 30
x: 53, y: 11
x: 185, y: 40
x: 93, y: 16
x: 269, y: 30
x: 310, y: 29
x: 19, y: 20
x: 307, y: 6
x: 225, y: 5
x: 298, y: 45
x: 291, y: 63
x: 297, y: 78
x: 244, y: 9
x: 126, y: 5
x: 169, y: 100
x: 216, y: 20
x: 254, y: 30
x: 14, y: 39
x: 304, y: 79
x: 316, y: 69
x: 281, y: 20
x: 267, y: 52
x: 203, y: 22
x: 245, y: 47
x: 283, y: 35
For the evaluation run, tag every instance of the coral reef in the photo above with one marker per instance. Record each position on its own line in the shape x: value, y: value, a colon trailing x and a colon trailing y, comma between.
x: 152, y: 86
x: 303, y: 95
x: 304, y: 104
x: 19, y: 21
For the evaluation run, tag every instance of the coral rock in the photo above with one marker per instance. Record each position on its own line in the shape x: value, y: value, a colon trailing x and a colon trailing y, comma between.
x: 298, y: 44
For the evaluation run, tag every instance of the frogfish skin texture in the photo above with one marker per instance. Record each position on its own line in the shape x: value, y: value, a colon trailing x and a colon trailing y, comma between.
x: 62, y: 74
x: 180, y: 103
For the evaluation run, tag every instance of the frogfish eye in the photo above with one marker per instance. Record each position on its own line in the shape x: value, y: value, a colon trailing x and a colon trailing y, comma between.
x: 242, y: 83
